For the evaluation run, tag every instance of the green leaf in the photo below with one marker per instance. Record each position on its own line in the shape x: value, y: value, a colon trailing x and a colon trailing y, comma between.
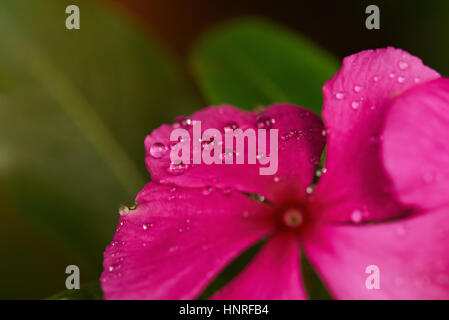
x: 251, y: 62
x: 91, y: 291
x: 75, y: 107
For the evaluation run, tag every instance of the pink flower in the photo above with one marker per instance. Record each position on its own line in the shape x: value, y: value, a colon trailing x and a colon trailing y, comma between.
x: 383, y: 199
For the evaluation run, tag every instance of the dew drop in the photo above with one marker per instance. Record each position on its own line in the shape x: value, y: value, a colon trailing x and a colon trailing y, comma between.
x: 207, y: 190
x: 125, y: 210
x: 182, y: 122
x: 392, y: 75
x: 401, y: 79
x: 376, y: 78
x: 227, y: 191
x: 339, y: 95
x: 261, y: 156
x: 264, y: 122
x: 309, y: 190
x: 158, y: 150
x: 147, y: 226
x: 403, y: 65
x: 113, y: 267
x: 276, y: 179
x: 357, y: 89
x: 355, y: 105
x: 356, y: 216
x: 231, y: 126
x: 177, y: 169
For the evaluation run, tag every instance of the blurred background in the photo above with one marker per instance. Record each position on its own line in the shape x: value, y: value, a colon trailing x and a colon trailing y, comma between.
x: 75, y: 107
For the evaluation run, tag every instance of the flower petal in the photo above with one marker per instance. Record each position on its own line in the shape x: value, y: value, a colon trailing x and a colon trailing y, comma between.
x: 177, y: 240
x: 356, y: 101
x: 416, y: 146
x: 412, y: 256
x: 274, y: 274
x: 300, y: 146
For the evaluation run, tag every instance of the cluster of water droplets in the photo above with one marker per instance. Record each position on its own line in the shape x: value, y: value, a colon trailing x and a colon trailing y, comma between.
x: 396, y: 75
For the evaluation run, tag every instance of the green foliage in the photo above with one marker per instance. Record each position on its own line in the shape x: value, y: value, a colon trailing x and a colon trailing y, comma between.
x: 251, y: 62
x: 75, y: 108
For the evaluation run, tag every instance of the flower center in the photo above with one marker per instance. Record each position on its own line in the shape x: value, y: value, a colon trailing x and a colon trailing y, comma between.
x: 292, y: 218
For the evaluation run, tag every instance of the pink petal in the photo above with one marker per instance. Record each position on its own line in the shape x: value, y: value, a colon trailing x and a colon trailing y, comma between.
x: 356, y: 101
x: 412, y: 256
x: 416, y: 147
x: 274, y: 274
x: 177, y: 240
x: 300, y: 145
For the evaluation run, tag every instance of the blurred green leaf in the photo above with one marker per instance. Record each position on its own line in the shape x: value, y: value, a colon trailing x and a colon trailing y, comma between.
x: 91, y: 291
x: 75, y: 107
x: 251, y: 62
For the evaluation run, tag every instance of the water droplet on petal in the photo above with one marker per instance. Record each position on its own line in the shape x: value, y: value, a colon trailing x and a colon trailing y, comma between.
x: 309, y: 190
x: 177, y: 169
x: 147, y: 226
x: 207, y: 190
x: 392, y: 75
x: 182, y: 122
x: 231, y: 126
x: 113, y: 267
x: 227, y: 191
x: 125, y: 210
x: 355, y: 105
x: 403, y: 65
x: 264, y: 122
x: 401, y: 79
x: 339, y: 95
x: 276, y: 179
x: 357, y: 89
x: 158, y: 150
x: 376, y: 78
x: 356, y: 216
